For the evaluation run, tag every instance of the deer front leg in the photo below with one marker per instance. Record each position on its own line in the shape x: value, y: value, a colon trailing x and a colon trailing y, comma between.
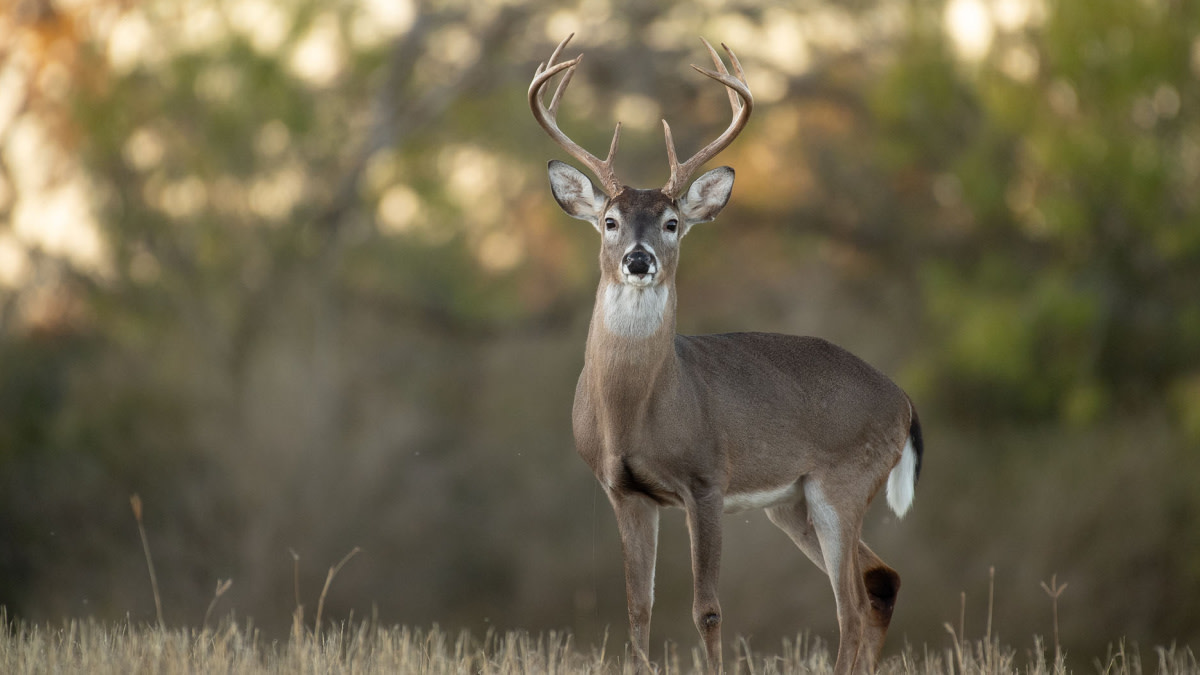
x: 637, y: 520
x: 704, y: 526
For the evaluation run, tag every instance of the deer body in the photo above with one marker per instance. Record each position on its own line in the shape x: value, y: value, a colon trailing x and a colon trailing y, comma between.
x: 720, y: 423
x: 715, y: 407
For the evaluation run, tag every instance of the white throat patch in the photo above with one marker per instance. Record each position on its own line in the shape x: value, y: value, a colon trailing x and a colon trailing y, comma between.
x: 634, y: 311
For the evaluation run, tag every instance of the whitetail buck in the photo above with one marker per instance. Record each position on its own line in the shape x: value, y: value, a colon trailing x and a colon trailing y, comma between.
x: 722, y: 423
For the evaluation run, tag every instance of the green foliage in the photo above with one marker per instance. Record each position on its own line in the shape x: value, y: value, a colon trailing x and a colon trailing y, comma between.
x: 1066, y: 201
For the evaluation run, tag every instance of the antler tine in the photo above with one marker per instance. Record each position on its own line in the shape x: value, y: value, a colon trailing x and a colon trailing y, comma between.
x: 733, y: 84
x: 737, y: 65
x: 733, y: 99
x: 558, y: 50
x: 672, y: 160
x: 547, y: 117
x: 736, y: 87
x: 562, y: 87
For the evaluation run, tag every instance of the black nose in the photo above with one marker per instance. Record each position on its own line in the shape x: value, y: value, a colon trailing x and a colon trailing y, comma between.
x: 638, y: 262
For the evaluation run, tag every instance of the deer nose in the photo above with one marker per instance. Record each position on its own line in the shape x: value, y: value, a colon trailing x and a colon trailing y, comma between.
x: 638, y: 262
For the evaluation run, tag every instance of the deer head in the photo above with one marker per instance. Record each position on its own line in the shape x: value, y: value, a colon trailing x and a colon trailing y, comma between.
x: 640, y: 229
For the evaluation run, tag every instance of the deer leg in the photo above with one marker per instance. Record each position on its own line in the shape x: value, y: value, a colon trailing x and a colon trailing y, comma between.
x: 881, y: 581
x: 637, y: 520
x: 793, y: 520
x: 704, y: 526
x: 882, y: 584
x: 838, y: 533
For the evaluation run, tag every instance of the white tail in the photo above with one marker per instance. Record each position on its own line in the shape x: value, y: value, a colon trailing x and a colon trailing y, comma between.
x: 902, y: 481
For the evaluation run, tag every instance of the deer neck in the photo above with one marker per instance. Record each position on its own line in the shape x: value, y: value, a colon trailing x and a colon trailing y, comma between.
x: 631, y: 344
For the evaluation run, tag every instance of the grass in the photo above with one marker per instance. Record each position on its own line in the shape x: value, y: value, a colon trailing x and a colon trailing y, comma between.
x: 366, y: 647
x: 86, y: 646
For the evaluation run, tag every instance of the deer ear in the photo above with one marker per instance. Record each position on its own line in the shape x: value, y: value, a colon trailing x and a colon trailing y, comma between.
x: 575, y: 193
x: 707, y: 196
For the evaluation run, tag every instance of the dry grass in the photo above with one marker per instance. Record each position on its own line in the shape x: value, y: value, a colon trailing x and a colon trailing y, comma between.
x: 366, y: 647
x: 92, y: 647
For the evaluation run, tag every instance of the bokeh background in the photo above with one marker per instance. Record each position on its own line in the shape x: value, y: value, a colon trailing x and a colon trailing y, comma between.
x: 290, y: 270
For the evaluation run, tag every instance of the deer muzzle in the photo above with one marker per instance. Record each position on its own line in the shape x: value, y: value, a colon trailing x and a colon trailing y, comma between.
x: 639, y: 266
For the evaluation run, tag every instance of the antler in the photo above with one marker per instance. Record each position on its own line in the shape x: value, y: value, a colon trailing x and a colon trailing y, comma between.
x: 548, y: 118
x: 736, y: 87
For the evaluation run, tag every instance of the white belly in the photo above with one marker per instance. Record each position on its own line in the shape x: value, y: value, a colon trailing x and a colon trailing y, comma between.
x: 745, y: 501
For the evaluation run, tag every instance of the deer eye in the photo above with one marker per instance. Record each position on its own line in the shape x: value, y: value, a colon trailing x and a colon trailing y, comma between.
x: 610, y: 224
x: 672, y: 225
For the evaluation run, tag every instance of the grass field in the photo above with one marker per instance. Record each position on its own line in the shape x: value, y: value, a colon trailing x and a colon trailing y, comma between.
x: 366, y: 646
x: 83, y: 646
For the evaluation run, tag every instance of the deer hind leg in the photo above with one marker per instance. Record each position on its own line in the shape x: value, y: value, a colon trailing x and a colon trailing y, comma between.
x: 881, y: 581
x: 637, y: 520
x: 882, y: 584
x: 793, y: 520
x: 837, y: 526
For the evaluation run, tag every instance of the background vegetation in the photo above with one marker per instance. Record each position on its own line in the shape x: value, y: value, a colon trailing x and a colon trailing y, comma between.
x: 290, y: 271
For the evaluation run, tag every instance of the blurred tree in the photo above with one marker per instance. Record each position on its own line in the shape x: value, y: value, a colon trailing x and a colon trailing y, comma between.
x: 1052, y: 184
x: 1047, y: 185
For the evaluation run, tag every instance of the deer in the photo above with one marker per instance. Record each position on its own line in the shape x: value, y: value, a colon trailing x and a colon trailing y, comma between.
x: 716, y: 424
